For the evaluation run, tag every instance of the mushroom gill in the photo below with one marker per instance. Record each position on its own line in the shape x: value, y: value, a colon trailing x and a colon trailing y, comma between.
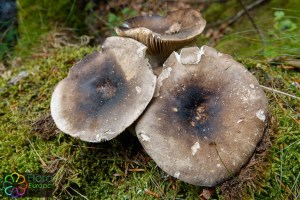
x: 163, y: 35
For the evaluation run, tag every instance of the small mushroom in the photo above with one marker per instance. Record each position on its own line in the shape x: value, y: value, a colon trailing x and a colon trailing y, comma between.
x: 163, y: 35
x: 105, y: 92
x: 209, y: 114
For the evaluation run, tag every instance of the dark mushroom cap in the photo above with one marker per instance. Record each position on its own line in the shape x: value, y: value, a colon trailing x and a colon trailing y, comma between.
x: 162, y: 35
x: 207, y: 118
x: 105, y: 92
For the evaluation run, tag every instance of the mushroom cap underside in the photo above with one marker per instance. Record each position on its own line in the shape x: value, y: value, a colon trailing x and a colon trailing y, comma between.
x: 164, y: 34
x: 209, y: 114
x: 105, y: 92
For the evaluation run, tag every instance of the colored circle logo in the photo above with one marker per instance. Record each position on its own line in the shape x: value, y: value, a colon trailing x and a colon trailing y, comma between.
x: 15, y: 185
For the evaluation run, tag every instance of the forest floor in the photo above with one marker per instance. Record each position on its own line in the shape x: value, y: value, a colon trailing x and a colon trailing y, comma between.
x: 51, y: 42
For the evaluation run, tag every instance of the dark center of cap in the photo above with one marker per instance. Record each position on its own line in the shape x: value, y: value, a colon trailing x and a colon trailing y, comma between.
x: 107, y: 88
x: 98, y: 89
x: 196, y: 108
x: 104, y: 85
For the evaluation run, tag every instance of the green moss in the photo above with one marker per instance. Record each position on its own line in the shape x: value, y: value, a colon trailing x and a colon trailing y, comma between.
x: 23, y: 103
x: 95, y: 170
x: 218, y: 11
x: 37, y: 17
x: 29, y: 141
x: 243, y: 40
x: 102, y: 170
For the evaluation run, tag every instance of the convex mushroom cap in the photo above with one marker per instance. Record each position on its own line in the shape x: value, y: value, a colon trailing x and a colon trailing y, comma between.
x: 207, y: 119
x: 163, y: 35
x: 105, y: 92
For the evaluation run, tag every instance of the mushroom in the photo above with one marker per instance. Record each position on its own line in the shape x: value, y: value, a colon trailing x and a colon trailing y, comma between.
x: 163, y: 35
x: 207, y: 118
x: 105, y: 92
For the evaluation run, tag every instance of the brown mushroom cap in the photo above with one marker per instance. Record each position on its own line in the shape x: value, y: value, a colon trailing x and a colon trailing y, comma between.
x: 162, y: 35
x: 207, y: 118
x: 105, y: 92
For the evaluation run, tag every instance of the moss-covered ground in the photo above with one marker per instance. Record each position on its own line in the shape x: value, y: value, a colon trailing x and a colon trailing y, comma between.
x: 120, y: 169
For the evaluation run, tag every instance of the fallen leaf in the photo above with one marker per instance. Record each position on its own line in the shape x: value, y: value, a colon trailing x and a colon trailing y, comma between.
x: 136, y: 170
x: 207, y: 193
x: 17, y: 78
x: 147, y: 191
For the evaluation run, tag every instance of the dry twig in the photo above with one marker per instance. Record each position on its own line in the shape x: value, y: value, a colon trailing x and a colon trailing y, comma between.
x: 78, y: 193
x: 280, y: 92
x: 234, y: 18
x: 253, y: 22
x: 40, y: 158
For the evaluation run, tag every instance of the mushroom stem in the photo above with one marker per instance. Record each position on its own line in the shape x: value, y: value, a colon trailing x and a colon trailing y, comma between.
x: 156, y: 61
x: 131, y: 130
